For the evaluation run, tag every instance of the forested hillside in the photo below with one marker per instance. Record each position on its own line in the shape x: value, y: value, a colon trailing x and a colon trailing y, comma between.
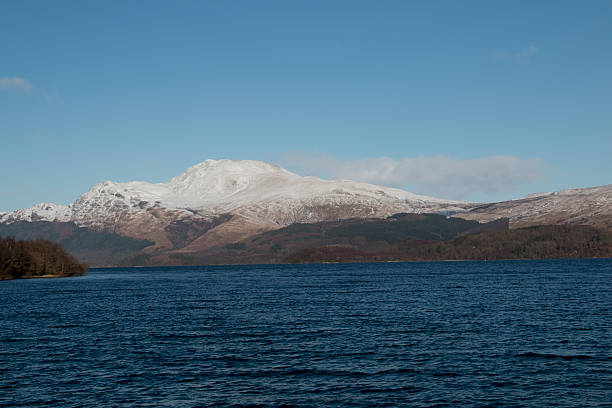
x: 540, y: 242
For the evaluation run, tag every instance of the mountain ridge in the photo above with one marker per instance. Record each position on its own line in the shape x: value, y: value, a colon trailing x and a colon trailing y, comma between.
x: 245, y: 187
x: 221, y: 202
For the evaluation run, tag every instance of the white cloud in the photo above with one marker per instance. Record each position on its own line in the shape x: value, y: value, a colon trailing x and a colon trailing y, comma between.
x: 15, y: 82
x: 518, y: 56
x: 439, y: 176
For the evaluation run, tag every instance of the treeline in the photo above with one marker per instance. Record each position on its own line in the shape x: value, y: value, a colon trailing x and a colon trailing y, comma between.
x: 37, y: 258
x: 540, y: 242
x: 100, y: 248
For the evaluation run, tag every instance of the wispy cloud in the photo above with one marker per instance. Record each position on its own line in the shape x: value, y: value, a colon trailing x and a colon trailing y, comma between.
x: 440, y: 176
x: 15, y: 82
x: 523, y: 55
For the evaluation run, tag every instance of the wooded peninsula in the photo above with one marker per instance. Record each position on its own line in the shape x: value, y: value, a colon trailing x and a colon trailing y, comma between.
x: 36, y: 259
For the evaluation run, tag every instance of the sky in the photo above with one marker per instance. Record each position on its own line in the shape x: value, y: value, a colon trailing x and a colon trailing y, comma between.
x: 470, y: 100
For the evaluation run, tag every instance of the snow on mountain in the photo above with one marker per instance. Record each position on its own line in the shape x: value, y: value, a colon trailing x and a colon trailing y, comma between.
x: 261, y: 193
x: 589, y: 206
x: 39, y: 212
x: 266, y: 197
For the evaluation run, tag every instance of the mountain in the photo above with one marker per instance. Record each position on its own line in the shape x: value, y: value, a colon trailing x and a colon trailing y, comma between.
x: 217, y: 206
x: 222, y: 201
x: 575, y: 206
x: 39, y: 212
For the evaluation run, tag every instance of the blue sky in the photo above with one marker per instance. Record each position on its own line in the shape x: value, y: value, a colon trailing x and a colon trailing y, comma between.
x: 473, y: 100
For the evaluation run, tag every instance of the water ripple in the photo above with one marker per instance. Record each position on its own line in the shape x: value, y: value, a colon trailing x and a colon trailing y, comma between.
x: 469, y: 334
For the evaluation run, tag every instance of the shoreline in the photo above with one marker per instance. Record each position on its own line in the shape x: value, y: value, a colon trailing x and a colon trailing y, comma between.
x: 342, y: 262
x: 3, y: 278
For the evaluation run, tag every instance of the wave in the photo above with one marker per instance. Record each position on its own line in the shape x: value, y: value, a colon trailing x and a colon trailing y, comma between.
x: 550, y: 356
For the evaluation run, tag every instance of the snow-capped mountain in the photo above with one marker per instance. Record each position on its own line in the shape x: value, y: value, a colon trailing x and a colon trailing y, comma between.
x: 256, y: 193
x: 39, y: 212
x: 577, y: 206
x: 256, y: 190
x: 222, y: 201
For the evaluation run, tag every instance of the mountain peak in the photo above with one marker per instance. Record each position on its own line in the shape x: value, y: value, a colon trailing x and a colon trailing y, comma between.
x: 220, y: 178
x: 226, y: 166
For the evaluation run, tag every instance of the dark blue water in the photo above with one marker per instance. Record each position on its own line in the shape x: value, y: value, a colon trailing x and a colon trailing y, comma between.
x: 520, y: 333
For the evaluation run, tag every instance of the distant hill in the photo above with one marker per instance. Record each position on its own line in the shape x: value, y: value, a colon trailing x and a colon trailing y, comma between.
x: 573, y: 206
